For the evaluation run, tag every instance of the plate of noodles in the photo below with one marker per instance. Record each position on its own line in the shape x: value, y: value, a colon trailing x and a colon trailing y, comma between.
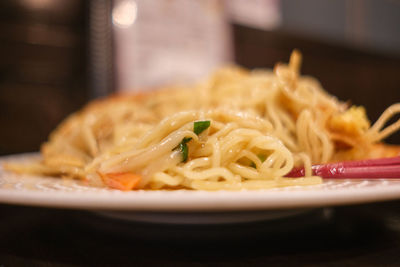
x: 239, y: 140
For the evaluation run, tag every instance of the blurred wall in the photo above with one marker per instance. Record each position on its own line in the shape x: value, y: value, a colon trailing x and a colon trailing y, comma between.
x: 372, y: 25
x: 42, y: 68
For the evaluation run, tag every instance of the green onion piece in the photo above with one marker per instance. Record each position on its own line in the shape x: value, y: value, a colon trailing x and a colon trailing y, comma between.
x: 200, y: 126
x: 184, y: 150
x: 186, y: 139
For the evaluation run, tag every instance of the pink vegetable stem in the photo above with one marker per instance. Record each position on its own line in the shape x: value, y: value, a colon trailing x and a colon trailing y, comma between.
x: 371, y: 168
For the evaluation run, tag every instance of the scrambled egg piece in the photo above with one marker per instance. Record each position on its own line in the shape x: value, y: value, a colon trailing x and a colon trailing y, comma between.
x: 352, y: 122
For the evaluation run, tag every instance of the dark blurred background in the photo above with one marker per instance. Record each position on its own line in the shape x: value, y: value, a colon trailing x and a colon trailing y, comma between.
x: 55, y: 55
x: 43, y: 68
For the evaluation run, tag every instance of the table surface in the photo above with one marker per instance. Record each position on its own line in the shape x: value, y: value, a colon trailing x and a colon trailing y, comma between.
x: 362, y: 235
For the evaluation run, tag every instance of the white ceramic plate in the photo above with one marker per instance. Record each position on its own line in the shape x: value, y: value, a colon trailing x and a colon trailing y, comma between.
x: 62, y: 193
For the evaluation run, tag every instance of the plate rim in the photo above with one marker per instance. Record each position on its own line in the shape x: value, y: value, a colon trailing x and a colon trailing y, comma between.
x: 196, y: 201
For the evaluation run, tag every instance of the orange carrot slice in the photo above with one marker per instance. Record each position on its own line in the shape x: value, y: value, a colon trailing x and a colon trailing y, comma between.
x: 124, y: 181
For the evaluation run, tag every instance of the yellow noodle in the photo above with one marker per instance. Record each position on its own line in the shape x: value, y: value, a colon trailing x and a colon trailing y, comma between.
x: 261, y: 124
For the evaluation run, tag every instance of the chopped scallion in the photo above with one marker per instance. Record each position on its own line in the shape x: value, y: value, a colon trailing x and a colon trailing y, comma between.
x: 183, y: 148
x: 186, y: 139
x: 200, y: 126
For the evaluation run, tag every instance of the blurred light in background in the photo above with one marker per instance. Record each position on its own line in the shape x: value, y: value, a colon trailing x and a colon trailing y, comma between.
x: 178, y: 41
x: 168, y: 42
x: 262, y: 14
x: 124, y: 13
